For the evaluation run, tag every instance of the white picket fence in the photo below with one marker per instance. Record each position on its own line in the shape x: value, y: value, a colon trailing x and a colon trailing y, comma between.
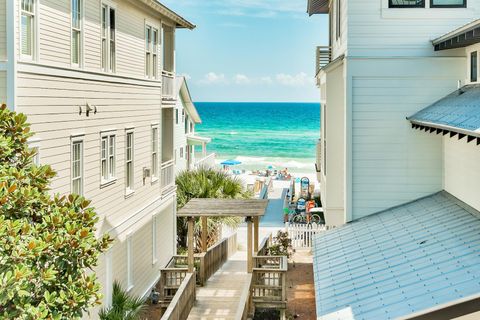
x: 302, y: 235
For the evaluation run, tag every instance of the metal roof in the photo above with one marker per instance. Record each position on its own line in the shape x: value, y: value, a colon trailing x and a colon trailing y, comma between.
x: 459, y: 110
x: 317, y: 6
x: 398, y: 262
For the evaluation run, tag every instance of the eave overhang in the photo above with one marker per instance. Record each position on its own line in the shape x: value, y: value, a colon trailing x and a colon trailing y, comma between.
x: 317, y: 7
x: 464, y: 36
x: 179, y: 21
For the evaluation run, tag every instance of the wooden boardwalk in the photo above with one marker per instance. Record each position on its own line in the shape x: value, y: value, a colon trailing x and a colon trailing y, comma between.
x: 219, y: 298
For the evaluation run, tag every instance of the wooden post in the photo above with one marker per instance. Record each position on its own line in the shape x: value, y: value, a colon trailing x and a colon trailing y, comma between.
x: 255, y: 235
x: 249, y: 245
x: 204, y: 234
x: 191, y: 260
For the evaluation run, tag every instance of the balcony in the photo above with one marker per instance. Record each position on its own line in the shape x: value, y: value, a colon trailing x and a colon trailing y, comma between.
x: 168, y: 176
x: 168, y: 85
x: 202, y: 161
x: 323, y: 57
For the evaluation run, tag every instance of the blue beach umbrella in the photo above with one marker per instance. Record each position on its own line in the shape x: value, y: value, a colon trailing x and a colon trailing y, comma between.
x: 230, y: 162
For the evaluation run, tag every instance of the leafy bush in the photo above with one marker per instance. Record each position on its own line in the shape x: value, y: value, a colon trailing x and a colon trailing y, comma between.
x: 282, y: 245
x: 47, y: 244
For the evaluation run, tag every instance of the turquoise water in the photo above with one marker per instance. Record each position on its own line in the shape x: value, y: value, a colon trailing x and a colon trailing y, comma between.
x: 262, y: 134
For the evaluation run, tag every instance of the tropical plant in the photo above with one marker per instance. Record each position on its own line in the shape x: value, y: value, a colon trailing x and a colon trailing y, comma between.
x: 207, y: 183
x: 47, y: 244
x: 124, y: 306
x: 282, y: 245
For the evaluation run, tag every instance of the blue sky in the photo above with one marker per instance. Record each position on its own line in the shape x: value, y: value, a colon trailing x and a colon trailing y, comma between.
x: 249, y: 50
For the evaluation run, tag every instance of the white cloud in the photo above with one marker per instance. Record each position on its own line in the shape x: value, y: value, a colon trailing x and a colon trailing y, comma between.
x: 213, y: 78
x: 266, y: 80
x: 299, y: 80
x: 241, y: 79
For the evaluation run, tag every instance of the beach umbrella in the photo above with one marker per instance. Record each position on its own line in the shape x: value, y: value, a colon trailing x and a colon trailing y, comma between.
x: 270, y: 167
x: 230, y: 162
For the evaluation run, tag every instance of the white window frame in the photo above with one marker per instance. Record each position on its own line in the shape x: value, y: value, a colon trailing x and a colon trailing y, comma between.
x: 129, y: 181
x: 78, y: 64
x: 108, y: 57
x: 155, y: 145
x: 34, y: 32
x: 181, y: 152
x: 74, y: 141
x: 108, y: 157
x: 35, y: 144
x: 130, y: 283
x: 151, y: 51
x: 154, y: 239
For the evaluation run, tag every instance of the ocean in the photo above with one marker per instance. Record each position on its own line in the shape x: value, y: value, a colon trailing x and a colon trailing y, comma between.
x: 282, y: 135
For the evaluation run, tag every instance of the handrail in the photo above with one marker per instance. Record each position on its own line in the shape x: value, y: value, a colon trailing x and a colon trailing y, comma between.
x: 208, y: 161
x: 266, y: 187
x: 183, y: 300
x: 168, y: 163
x: 245, y: 301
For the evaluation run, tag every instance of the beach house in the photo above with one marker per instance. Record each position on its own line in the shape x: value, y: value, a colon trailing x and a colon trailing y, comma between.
x: 96, y: 79
x: 187, y: 142
x: 398, y: 160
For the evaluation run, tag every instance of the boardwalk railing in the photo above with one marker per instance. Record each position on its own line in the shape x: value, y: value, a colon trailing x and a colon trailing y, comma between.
x: 302, y: 235
x: 269, y: 282
x: 245, y: 304
x: 171, y: 279
x: 183, y: 300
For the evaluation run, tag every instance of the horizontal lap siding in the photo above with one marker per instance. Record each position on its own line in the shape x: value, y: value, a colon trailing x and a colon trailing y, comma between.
x: 462, y: 174
x: 92, y: 37
x: 54, y: 37
x: 3, y: 30
x: 392, y: 163
x: 3, y: 87
x: 376, y: 30
x: 52, y: 105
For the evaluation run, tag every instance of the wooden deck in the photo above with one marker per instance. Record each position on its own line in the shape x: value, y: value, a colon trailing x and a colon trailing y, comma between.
x: 219, y: 298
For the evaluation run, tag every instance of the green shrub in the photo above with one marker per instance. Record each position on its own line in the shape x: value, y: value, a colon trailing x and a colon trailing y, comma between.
x: 124, y: 306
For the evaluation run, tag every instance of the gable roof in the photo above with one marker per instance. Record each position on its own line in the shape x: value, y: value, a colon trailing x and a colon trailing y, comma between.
x: 401, y: 261
x: 186, y: 99
x: 458, y: 112
x: 180, y: 22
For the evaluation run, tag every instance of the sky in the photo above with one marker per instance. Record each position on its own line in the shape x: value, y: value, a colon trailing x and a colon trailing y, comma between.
x: 249, y: 50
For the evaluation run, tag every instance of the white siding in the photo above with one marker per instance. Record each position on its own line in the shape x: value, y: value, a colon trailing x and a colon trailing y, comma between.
x: 391, y: 163
x: 3, y: 30
x: 54, y: 33
x: 3, y: 87
x: 339, y: 44
x: 180, y: 140
x: 462, y: 170
x: 376, y: 30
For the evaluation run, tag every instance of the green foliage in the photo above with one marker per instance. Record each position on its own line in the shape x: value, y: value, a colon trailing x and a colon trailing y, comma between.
x: 124, y: 306
x: 207, y: 183
x: 47, y: 244
x: 282, y: 245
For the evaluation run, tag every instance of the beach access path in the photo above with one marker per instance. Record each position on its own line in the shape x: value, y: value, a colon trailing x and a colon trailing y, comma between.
x: 274, y: 214
x: 219, y: 298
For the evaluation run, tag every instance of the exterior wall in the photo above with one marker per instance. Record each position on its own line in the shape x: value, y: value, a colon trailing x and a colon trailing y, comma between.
x: 390, y: 163
x: 3, y: 87
x: 376, y: 30
x: 333, y: 176
x: 3, y: 30
x: 180, y: 140
x: 339, y: 42
x: 461, y: 175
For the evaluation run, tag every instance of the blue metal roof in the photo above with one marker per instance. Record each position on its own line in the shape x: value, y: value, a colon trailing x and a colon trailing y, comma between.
x: 460, y: 109
x: 400, y: 261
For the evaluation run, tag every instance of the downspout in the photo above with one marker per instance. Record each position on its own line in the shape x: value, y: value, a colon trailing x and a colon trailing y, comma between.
x: 11, y: 56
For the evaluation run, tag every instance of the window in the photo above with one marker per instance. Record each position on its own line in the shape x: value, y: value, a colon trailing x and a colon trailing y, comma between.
x: 176, y: 116
x: 154, y: 240
x: 107, y: 157
x: 28, y: 28
x: 406, y: 3
x: 76, y: 31
x: 448, y: 3
x: 77, y: 167
x: 191, y: 127
x: 151, y: 52
x: 338, y: 20
x: 108, y: 38
x: 129, y: 263
x: 129, y: 164
x: 181, y: 152
x: 473, y: 66
x: 186, y: 124
x: 154, y: 152
x: 183, y: 115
